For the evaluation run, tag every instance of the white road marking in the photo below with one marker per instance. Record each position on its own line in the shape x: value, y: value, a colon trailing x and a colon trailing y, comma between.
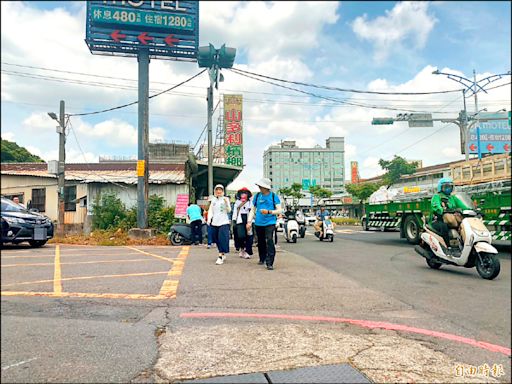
x: 17, y: 364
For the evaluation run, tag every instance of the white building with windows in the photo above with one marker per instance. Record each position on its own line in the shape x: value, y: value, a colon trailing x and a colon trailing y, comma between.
x: 286, y: 164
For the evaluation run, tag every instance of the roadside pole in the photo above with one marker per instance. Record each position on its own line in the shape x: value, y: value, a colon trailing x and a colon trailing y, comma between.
x: 62, y: 166
x: 143, y: 140
x: 209, y: 97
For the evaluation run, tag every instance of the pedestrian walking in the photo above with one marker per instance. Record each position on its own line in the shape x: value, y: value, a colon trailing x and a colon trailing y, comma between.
x: 241, y: 210
x: 196, y: 223
x: 266, y: 207
x: 219, y: 220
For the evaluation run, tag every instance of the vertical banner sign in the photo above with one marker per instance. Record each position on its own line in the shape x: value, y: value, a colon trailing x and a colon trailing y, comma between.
x: 181, y: 205
x: 354, y: 172
x: 233, y: 130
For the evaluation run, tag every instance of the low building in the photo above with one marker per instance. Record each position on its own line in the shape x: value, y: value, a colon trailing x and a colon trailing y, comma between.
x: 168, y: 177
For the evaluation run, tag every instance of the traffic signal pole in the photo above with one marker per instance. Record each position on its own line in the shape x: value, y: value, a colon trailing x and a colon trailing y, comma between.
x: 209, y: 98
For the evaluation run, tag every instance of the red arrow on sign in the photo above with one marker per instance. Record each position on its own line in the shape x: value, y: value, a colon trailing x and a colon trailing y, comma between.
x: 170, y: 40
x: 144, y: 38
x: 117, y: 35
x: 472, y: 147
x: 490, y: 147
x: 506, y: 147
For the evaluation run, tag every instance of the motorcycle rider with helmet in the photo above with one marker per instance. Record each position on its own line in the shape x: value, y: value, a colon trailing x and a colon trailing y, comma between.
x: 442, y: 202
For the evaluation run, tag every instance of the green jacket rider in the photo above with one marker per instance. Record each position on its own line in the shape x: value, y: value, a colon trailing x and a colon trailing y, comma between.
x: 443, y: 200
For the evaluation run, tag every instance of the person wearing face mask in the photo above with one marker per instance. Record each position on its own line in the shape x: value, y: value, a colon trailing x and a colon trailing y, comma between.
x: 442, y: 202
x: 241, y: 210
x: 218, y: 219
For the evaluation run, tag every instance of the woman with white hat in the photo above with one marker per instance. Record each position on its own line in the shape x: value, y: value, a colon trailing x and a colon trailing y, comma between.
x: 219, y: 221
x: 266, y: 207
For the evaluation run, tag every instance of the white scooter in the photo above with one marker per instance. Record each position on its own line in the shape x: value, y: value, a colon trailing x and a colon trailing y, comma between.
x: 469, y: 246
x: 327, y: 230
x: 291, y: 228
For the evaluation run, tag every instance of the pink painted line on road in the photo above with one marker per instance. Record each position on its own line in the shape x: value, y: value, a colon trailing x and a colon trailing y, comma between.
x: 362, y: 323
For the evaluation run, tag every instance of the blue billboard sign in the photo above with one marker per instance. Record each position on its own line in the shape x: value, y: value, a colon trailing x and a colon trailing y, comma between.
x: 491, y: 135
x: 168, y: 29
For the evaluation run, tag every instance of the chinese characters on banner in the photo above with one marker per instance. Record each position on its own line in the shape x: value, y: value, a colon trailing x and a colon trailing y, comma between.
x: 233, y: 130
x: 180, y: 210
x: 354, y: 172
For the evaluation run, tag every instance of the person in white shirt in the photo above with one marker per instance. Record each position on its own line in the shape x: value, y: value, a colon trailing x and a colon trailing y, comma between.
x: 219, y: 221
x: 241, y: 212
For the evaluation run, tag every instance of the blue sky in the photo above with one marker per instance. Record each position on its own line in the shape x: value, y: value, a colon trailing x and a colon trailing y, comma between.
x: 388, y: 46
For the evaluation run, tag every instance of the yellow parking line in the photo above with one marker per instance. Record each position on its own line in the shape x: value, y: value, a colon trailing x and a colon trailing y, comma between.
x: 78, y: 262
x: 170, y: 286
x: 57, y: 282
x: 150, y: 254
x: 86, y: 278
x: 132, y: 296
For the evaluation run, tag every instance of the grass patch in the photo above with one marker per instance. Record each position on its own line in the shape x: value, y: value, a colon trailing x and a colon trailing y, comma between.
x: 345, y: 221
x: 109, y: 238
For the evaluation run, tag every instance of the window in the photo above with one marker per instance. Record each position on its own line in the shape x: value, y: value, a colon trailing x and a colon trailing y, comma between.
x: 39, y: 199
x: 70, y: 198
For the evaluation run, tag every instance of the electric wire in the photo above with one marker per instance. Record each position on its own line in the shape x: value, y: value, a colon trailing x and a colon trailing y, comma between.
x: 344, y: 89
x: 135, y: 102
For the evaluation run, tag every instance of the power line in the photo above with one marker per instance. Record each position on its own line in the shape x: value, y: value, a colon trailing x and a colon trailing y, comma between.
x: 135, y: 102
x: 345, y: 89
x: 337, y: 100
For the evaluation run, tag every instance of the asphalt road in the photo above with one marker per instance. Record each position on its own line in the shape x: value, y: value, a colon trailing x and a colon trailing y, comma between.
x: 91, y: 319
x: 451, y: 299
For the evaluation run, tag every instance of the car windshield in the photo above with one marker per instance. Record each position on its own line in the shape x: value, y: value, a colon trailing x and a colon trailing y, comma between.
x: 11, y: 206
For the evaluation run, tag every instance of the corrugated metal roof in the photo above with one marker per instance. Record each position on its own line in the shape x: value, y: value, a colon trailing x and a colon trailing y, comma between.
x: 107, y: 176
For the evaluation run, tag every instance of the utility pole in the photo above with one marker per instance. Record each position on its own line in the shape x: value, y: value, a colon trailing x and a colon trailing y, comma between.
x: 62, y: 166
x: 213, y: 59
x: 209, y: 98
x: 143, y: 140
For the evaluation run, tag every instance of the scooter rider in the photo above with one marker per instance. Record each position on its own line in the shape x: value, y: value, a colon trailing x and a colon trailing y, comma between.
x: 442, y: 201
x: 320, y: 216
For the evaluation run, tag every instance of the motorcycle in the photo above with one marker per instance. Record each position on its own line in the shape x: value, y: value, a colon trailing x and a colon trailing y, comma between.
x: 327, y: 230
x: 181, y: 234
x: 291, y: 228
x: 301, y: 220
x: 470, y: 244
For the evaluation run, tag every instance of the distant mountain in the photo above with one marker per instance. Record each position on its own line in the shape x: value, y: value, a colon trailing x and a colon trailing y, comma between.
x: 13, y: 153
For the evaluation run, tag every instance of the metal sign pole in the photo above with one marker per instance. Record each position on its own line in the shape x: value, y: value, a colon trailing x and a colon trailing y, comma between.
x: 143, y: 140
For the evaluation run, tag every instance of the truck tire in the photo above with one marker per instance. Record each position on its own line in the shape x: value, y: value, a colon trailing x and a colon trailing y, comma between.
x: 412, y: 230
x: 364, y: 223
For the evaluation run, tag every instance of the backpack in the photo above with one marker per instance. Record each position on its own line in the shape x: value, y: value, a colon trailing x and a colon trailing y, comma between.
x: 258, y: 195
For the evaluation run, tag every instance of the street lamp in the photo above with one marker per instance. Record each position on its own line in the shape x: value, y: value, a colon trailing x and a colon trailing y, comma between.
x: 61, y: 130
x: 474, y: 87
x: 214, y: 60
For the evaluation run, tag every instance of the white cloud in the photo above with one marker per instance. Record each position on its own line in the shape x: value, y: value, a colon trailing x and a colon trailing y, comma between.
x: 10, y: 136
x: 408, y: 20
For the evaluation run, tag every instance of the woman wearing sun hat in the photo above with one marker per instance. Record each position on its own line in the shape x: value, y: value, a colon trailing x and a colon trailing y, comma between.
x: 219, y: 221
x: 266, y: 207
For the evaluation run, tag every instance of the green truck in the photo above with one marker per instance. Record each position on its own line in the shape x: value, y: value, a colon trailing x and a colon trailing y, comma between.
x: 406, y: 213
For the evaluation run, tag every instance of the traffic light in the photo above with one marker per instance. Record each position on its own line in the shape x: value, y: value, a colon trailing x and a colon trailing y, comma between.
x: 226, y: 56
x: 206, y: 56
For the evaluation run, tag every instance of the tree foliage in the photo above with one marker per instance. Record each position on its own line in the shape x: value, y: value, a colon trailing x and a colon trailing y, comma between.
x: 362, y: 191
x: 295, y: 192
x: 13, y: 153
x: 396, y: 168
x: 110, y: 213
x: 319, y: 192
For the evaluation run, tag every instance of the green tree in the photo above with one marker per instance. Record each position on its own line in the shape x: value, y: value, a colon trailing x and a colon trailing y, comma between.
x: 396, y: 168
x: 13, y: 153
x: 295, y: 192
x: 319, y: 192
x: 362, y: 191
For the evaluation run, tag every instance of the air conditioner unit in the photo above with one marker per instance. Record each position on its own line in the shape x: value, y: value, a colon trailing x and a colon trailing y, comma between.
x: 53, y: 167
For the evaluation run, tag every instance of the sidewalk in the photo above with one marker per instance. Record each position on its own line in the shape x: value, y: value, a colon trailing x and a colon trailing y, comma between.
x: 239, y: 318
